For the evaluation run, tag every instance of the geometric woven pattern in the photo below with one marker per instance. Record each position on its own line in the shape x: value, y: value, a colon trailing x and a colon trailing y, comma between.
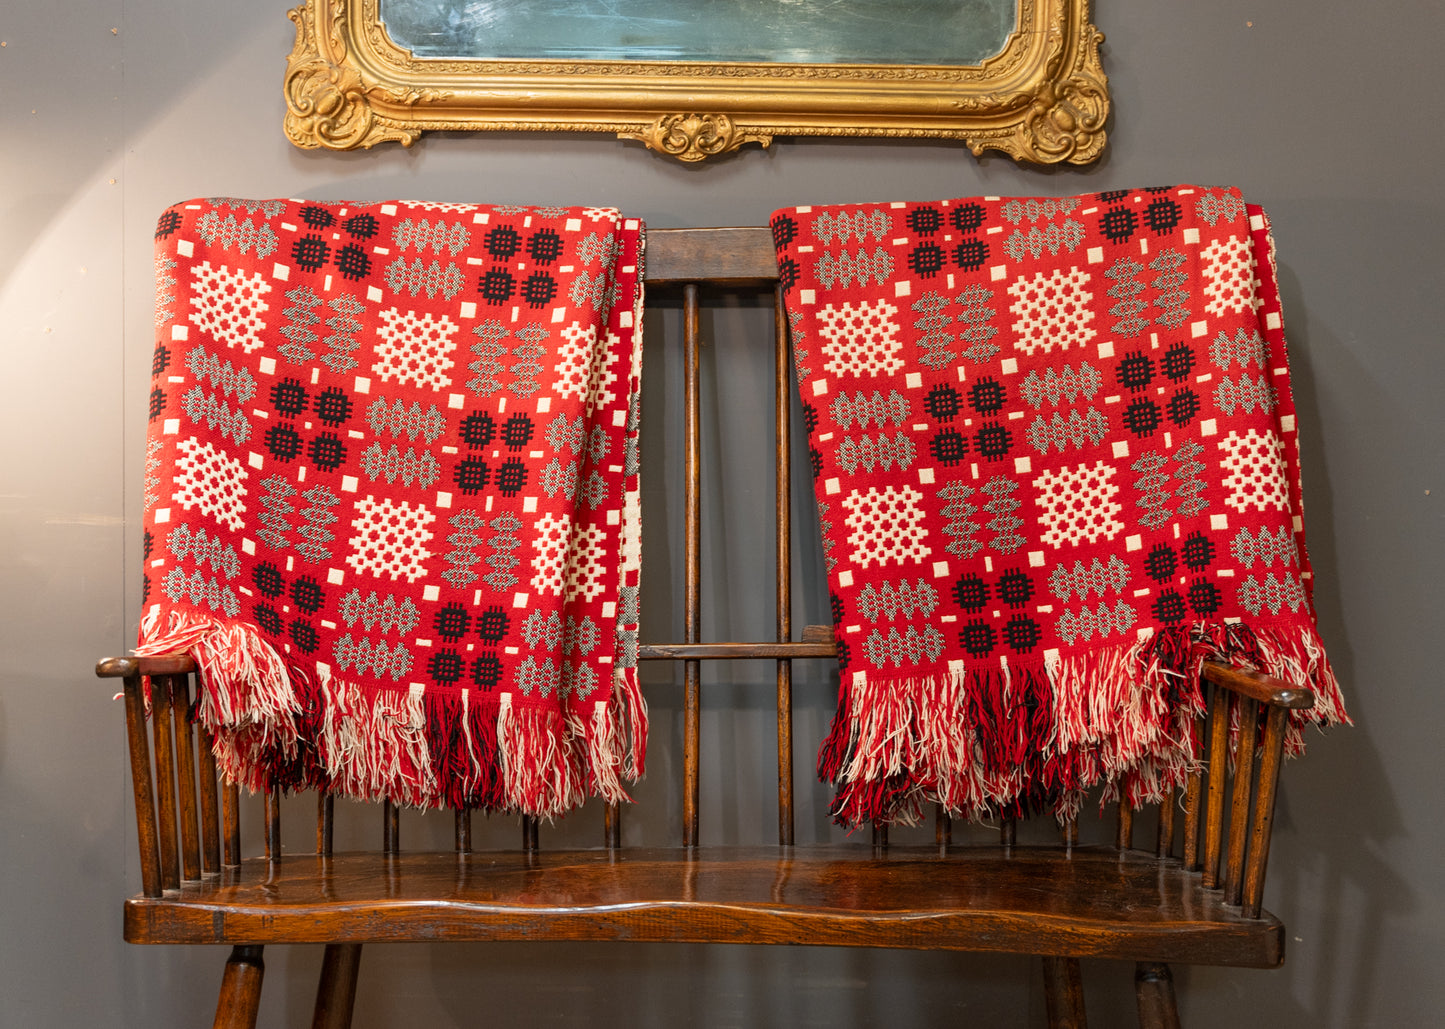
x: 1045, y: 531
x: 368, y: 485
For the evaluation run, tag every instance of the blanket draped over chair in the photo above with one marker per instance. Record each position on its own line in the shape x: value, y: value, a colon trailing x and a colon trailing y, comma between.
x: 1056, y: 466
x: 391, y: 495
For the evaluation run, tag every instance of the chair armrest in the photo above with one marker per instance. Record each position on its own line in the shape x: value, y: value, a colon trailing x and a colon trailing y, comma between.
x: 1264, y: 688
x: 159, y: 664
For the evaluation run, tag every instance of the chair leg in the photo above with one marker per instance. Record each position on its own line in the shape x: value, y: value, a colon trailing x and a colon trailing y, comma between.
x: 336, y: 991
x: 1154, y: 988
x: 240, y: 989
x: 1064, y: 993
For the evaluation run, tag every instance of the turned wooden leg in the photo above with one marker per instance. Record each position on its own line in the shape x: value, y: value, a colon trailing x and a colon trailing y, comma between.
x: 240, y: 989
x: 1064, y: 993
x: 1154, y: 987
x: 336, y: 992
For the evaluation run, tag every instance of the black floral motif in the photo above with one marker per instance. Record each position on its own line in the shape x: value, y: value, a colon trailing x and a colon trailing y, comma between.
x: 502, y: 242
x: 493, y: 624
x: 785, y: 230
x: 1183, y: 406
x: 307, y: 594
x: 283, y: 442
x: 539, y: 289
x: 327, y: 451
x: 1142, y: 417
x: 1198, y: 551
x: 1178, y: 361
x: 511, y: 477
x: 445, y: 667
x: 310, y: 252
x: 1022, y: 633
x: 942, y: 403
x: 1118, y: 223
x: 971, y: 592
x: 497, y: 286
x: 289, y: 397
x: 925, y: 220
x: 303, y: 635
x: 1162, y: 215
x: 978, y: 638
x: 317, y: 217
x: 1169, y: 607
x: 993, y: 441
x: 1015, y: 588
x: 971, y: 254
x: 267, y: 578
x: 266, y: 617
x: 487, y: 672
x: 986, y: 396
x: 968, y: 218
x: 1136, y: 371
x: 362, y: 226
x: 478, y: 428
x: 926, y: 259
x: 353, y: 263
x: 948, y: 446
x: 787, y: 274
x: 545, y: 246
x: 167, y: 224
x: 471, y: 476
x: 333, y: 406
x: 451, y: 622
x: 1161, y: 562
x: 1204, y: 598
x: 517, y: 431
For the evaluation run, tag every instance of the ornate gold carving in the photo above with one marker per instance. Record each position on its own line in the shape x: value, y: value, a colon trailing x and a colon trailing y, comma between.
x: 1065, y: 122
x: 694, y: 137
x: 1043, y: 99
x: 326, y: 99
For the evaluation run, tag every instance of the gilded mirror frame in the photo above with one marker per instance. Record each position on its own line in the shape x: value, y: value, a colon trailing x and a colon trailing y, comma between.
x: 1044, y: 98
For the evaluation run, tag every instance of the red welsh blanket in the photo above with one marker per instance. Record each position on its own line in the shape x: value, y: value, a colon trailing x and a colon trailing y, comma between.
x: 391, y: 495
x: 1057, y: 468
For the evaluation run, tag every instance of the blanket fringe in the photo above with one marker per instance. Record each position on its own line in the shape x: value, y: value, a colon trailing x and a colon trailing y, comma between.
x: 417, y: 746
x: 540, y: 772
x: 248, y: 698
x: 615, y: 738
x: 1024, y: 737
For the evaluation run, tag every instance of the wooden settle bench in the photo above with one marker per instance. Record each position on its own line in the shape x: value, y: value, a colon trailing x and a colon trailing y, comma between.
x: 1191, y: 893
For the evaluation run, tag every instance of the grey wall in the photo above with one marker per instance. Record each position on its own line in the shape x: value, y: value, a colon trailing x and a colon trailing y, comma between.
x: 1324, y: 113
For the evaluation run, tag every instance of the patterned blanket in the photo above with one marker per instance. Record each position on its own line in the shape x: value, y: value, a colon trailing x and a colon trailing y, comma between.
x: 391, y: 498
x: 1057, y: 468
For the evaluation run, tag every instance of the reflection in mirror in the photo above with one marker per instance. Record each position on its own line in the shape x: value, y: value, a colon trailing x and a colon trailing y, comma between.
x: 905, y: 32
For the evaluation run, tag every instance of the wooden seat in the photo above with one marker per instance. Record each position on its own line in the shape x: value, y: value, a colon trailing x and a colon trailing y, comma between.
x: 1192, y: 895
x: 1020, y: 900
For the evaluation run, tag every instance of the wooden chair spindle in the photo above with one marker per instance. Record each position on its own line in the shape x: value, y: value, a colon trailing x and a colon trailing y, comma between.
x: 231, y: 823
x: 272, y: 809
x: 161, y: 723
x: 1243, y: 795
x: 1218, y: 774
x: 210, y: 803
x: 143, y: 786
x: 692, y: 612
